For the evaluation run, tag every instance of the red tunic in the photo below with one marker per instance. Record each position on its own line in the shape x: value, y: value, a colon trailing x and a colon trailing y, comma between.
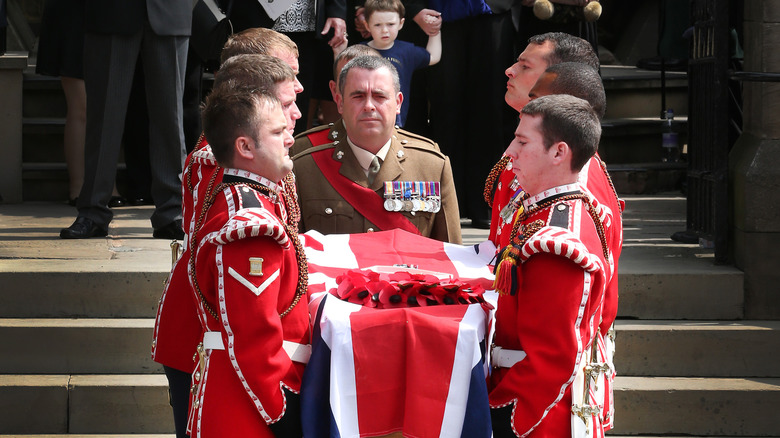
x: 552, y: 317
x: 177, y: 330
x: 240, y: 387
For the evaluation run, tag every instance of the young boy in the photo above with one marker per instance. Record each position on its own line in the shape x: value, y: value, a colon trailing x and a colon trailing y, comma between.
x: 385, y: 18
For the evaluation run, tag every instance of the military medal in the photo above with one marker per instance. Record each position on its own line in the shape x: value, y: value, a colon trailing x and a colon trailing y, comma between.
x: 508, y: 212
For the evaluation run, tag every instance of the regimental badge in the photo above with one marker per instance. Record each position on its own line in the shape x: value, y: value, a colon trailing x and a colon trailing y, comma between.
x: 256, y: 266
x: 412, y: 196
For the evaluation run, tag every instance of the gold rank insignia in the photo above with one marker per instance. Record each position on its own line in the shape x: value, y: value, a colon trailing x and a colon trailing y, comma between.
x: 256, y: 266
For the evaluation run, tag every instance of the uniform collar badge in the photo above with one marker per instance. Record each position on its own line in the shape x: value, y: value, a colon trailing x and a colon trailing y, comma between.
x: 256, y: 266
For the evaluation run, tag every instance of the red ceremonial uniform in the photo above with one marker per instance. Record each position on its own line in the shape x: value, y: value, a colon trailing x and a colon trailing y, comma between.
x: 594, y: 179
x: 247, y: 275
x: 552, y: 315
x: 177, y: 330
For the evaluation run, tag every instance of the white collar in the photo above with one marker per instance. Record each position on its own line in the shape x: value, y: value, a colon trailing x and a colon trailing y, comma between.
x: 364, y: 157
x: 539, y: 197
x: 253, y: 177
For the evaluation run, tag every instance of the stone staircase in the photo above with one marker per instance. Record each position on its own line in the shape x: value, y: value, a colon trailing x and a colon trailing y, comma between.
x: 76, y: 318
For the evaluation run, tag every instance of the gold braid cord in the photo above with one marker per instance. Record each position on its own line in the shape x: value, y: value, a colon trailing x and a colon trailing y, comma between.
x: 300, y: 255
x: 490, y: 182
x: 609, y: 179
x: 592, y: 211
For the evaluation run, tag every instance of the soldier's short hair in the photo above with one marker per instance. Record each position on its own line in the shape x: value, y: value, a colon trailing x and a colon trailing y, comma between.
x: 567, y: 48
x: 258, y: 41
x: 262, y: 72
x: 369, y: 63
x: 351, y: 53
x: 231, y: 111
x: 580, y: 81
x: 571, y: 120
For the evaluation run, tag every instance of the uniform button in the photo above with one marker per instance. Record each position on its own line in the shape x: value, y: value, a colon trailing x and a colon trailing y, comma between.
x: 413, y: 212
x: 561, y: 207
x: 370, y: 230
x: 328, y: 210
x: 404, y: 141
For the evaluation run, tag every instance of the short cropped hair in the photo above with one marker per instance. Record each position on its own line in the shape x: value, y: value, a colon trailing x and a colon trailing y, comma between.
x: 371, y: 6
x: 369, y: 63
x: 257, y: 41
x: 231, y: 111
x: 351, y: 53
x: 261, y: 72
x: 581, y: 81
x: 569, y: 119
x: 567, y: 48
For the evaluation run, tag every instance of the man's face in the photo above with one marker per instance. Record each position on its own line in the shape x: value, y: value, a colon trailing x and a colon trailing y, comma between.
x: 369, y: 106
x: 290, y: 59
x: 286, y: 94
x: 542, y: 86
x: 271, y: 157
x: 524, y: 73
x: 384, y: 27
x: 530, y: 160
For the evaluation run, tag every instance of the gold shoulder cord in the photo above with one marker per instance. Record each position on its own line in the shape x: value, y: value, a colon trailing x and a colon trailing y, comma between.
x: 490, y: 183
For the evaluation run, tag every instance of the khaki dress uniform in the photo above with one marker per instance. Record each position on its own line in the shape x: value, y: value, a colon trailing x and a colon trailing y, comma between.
x: 410, y: 158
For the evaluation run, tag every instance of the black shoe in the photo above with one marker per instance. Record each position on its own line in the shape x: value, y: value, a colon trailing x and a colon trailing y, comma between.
x: 483, y: 224
x: 172, y: 231
x: 83, y: 228
x: 140, y: 201
x: 117, y: 201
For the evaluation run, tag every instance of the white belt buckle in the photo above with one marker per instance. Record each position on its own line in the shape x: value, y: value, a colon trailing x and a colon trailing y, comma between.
x: 298, y: 352
x: 505, y: 358
x: 213, y: 341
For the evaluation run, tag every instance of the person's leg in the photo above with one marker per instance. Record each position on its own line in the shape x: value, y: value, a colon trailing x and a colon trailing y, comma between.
x: 179, y: 392
x: 75, y: 131
x: 164, y: 60
x: 109, y: 64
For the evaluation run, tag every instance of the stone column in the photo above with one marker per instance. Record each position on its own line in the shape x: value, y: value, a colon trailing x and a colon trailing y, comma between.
x: 11, y: 66
x: 754, y: 166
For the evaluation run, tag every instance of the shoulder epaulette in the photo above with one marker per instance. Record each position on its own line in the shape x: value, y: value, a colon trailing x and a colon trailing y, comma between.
x: 204, y: 155
x: 411, y: 134
x: 313, y: 130
x: 313, y: 149
x: 251, y: 222
x: 561, y: 242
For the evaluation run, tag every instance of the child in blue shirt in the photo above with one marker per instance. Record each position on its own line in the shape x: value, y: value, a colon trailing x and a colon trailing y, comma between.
x: 385, y: 18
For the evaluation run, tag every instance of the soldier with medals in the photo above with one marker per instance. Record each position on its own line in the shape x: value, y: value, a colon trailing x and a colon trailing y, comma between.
x: 342, y: 185
x: 551, y: 280
x: 249, y: 273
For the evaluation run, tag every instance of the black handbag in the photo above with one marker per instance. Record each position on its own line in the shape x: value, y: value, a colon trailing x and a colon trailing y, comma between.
x: 211, y: 29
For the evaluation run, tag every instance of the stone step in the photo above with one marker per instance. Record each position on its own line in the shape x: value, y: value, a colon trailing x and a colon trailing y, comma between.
x: 634, y: 92
x: 84, y: 404
x: 688, y: 289
x: 644, y: 348
x: 697, y: 406
x: 131, y: 404
x: 77, y: 346
x: 42, y: 96
x: 698, y: 348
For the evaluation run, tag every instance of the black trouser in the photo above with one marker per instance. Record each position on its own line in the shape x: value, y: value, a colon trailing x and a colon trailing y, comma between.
x: 179, y: 394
